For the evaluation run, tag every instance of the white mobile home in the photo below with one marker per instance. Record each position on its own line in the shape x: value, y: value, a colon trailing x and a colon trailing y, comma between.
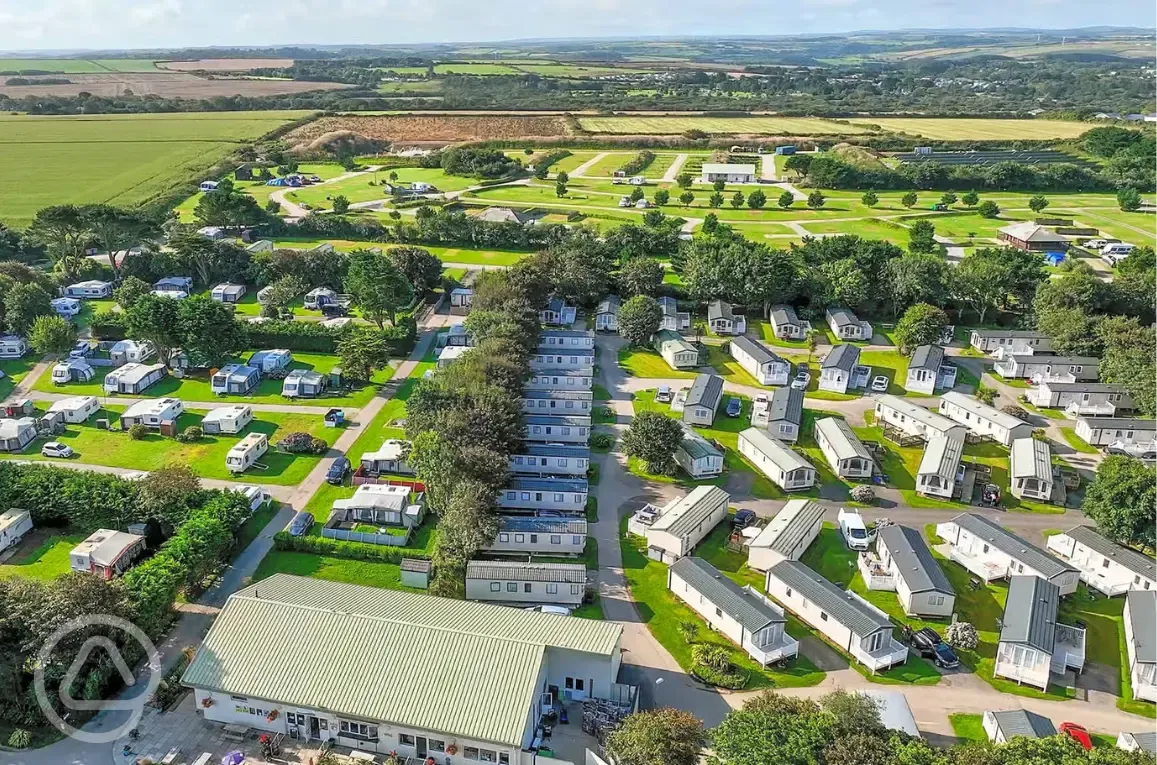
x: 152, y: 413
x: 1105, y: 431
x: 1104, y: 565
x: 1082, y: 399
x: 272, y: 360
x: 561, y: 584
x: 698, y: 456
x: 15, y: 434
x: 746, y: 616
x: 91, y: 289
x: 927, y: 371
x: 235, y: 380
x: 12, y: 346
x: 304, y: 383
x: 767, y: 367
x: 560, y: 380
x: 377, y: 505
x: 75, y: 409
x: 845, y: 325
x: 106, y: 553
x: 539, y: 536
x: 684, y: 522
x: 676, y: 351
x: 389, y: 458
x: 850, y: 622
x: 1011, y: 340
x: 524, y: 494
x: 716, y: 171
x: 246, y: 452
x: 940, y: 468
x: 547, y: 460
x: 1030, y: 469
x: 982, y: 419
x: 550, y: 429
x: 843, y: 449
x: 133, y: 378
x: 607, y: 314
x: 227, y: 292
x: 557, y: 313
x: 1138, y: 741
x: 776, y: 460
x: 563, y: 340
x: 991, y: 552
x: 785, y: 324
x: 837, y: 367
x: 787, y: 536
x: 482, y: 700
x: 722, y: 319
x: 915, y: 420
x: 1002, y: 727
x: 673, y: 319
x: 1033, y: 645
x: 557, y: 401
x: 14, y: 524
x: 921, y: 585
x: 1141, y: 642
x: 227, y: 419
x: 703, y: 399
x: 1040, y: 369
x: 783, y: 415
x: 65, y: 307
x: 131, y: 352
x: 545, y: 360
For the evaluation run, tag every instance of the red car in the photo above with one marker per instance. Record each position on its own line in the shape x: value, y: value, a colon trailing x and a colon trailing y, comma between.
x: 1077, y: 733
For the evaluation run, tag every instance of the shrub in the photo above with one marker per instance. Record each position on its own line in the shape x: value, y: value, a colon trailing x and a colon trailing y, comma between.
x: 732, y: 679
x: 349, y: 550
x: 987, y: 395
x: 638, y: 163
x: 108, y: 325
x: 864, y: 494
x: 602, y: 441
x: 302, y: 443
x: 20, y: 739
x: 961, y: 635
x: 191, y: 434
x: 137, y: 432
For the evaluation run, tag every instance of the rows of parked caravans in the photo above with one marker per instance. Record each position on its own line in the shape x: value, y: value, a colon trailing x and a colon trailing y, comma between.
x: 1111, y: 252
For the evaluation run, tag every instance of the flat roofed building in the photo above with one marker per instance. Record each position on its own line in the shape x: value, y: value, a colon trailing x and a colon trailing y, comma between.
x: 787, y: 536
x: 540, y: 583
x: 921, y: 585
x: 991, y: 551
x: 715, y: 171
x: 843, y: 449
x: 684, y: 522
x: 1104, y: 565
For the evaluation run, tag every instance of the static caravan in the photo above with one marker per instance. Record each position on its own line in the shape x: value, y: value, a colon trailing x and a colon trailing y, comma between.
x: 766, y: 366
x: 750, y: 619
x: 672, y: 318
x: 16, y: 434
x: 1030, y: 470
x: 304, y: 383
x: 787, y: 536
x: 14, y: 524
x: 1141, y: 642
x: 927, y: 371
x: 843, y: 450
x: 845, y: 325
x: 1082, y: 399
x: 539, y: 536
x: 1040, y: 369
x: 227, y: 419
x: 525, y: 494
x: 837, y: 367
x: 562, y: 584
x: 557, y: 429
x: 106, y: 553
x: 607, y: 314
x: 698, y: 456
x: 991, y: 552
x: 152, y: 413
x: 271, y: 360
x: 1106, y: 431
x: 131, y: 352
x: 92, y: 289
x: 921, y: 585
x: 549, y: 459
x: 133, y: 378
x: 557, y: 313
x: 676, y: 351
x: 783, y: 415
x: 776, y: 460
x: 12, y: 346
x: 1104, y: 565
x: 915, y: 420
x: 562, y: 358
x: 683, y: 523
x: 941, y: 467
x: 460, y: 300
x: 1002, y: 727
x: 982, y: 419
x: 65, y: 307
x: 1011, y: 340
x: 246, y: 452
x: 75, y: 409
x: 563, y: 379
x: 722, y: 319
x: 1138, y: 741
x: 557, y: 401
x: 227, y: 292
x: 390, y: 457
x: 562, y: 340
x: 785, y: 324
x: 1033, y: 645
x: 703, y: 399
x: 850, y: 622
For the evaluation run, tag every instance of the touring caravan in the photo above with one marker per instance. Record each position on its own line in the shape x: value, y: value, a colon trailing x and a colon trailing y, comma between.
x: 130, y: 352
x: 234, y: 380
x: 71, y: 370
x: 247, y: 451
x: 227, y: 419
x: 75, y: 408
x: 303, y: 383
x: 271, y: 360
x: 133, y: 378
x: 14, y: 524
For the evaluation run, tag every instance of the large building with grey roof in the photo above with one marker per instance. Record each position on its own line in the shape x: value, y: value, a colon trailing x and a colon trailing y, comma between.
x: 786, y: 536
x: 921, y: 585
x: 1104, y: 565
x: 837, y: 367
x: 292, y: 655
x: 703, y: 399
x: 992, y: 552
x: 843, y: 449
x: 683, y: 523
x: 1034, y: 648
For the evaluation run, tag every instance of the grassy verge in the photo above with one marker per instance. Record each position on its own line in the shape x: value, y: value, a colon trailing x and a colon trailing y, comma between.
x: 46, y: 560
x: 640, y: 362
x: 1077, y: 442
x: 968, y: 728
x: 256, y: 523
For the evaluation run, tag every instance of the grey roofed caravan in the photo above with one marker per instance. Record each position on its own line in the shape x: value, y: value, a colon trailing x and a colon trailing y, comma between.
x: 800, y: 525
x: 844, y: 607
x: 758, y: 351
x: 1031, y: 458
x: 749, y: 611
x: 843, y: 317
x: 785, y: 404
x: 1143, y: 619
x: 696, y: 445
x: 1011, y: 544
x: 919, y: 569
x: 1022, y: 722
x: 1030, y: 613
x: 706, y: 390
x: 717, y: 309
x: 1136, y: 562
x: 928, y: 357
x: 784, y: 314
x: 572, y: 573
x: 844, y: 356
x: 843, y: 440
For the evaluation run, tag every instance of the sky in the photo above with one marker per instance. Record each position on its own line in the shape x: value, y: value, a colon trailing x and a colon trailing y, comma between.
x: 27, y: 25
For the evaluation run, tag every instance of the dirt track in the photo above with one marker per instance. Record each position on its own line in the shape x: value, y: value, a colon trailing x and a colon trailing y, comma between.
x: 165, y: 84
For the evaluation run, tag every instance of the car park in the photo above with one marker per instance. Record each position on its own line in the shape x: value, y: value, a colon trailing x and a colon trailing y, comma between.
x: 880, y: 384
x: 734, y: 407
x: 301, y: 523
x: 56, y: 449
x: 338, y: 470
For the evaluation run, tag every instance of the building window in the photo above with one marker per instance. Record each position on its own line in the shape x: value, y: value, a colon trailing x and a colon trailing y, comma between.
x: 526, y: 496
x: 436, y: 745
x: 576, y: 589
x: 358, y: 730
x: 534, y: 539
x: 559, y: 498
x: 823, y: 616
x: 526, y: 587
x: 552, y: 589
x: 556, y: 539
x: 520, y: 538
x: 496, y: 586
x: 718, y: 611
x: 936, y: 600
x: 512, y: 586
x: 788, y: 594
x: 503, y: 537
x: 1105, y: 563
x: 577, y: 540
x: 566, y: 431
x: 405, y: 739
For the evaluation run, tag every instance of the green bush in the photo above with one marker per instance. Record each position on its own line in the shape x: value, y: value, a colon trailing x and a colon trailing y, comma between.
x: 191, y: 434
x: 108, y: 325
x: 731, y: 678
x: 350, y: 550
x: 137, y: 432
x: 602, y: 441
x: 20, y: 739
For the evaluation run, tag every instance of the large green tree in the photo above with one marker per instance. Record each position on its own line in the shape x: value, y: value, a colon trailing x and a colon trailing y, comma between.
x: 922, y: 237
x: 657, y: 737
x: 362, y: 352
x: 1121, y: 500
x: 156, y: 319
x: 916, y: 279
x: 377, y: 287
x: 639, y: 319
x: 210, y: 334
x: 773, y: 730
x: 922, y: 324
x: 653, y: 437
x: 23, y: 303
x: 228, y: 207
x: 640, y: 276
x: 1129, y: 360
x: 422, y: 269
x: 52, y: 334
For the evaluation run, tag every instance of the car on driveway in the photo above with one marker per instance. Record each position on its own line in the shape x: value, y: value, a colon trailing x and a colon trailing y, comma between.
x: 803, y: 376
x: 1077, y: 733
x: 880, y: 384
x: 81, y: 350
x: 300, y: 524
x: 338, y: 471
x: 1095, y: 244
x: 743, y: 519
x: 926, y: 642
x: 56, y: 449
x: 734, y: 407
x: 852, y: 528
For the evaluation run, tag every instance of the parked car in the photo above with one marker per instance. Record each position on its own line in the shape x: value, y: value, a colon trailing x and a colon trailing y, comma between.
x: 1096, y: 244
x: 734, y: 407
x: 663, y: 395
x: 852, y: 527
x: 557, y: 610
x: 802, y: 377
x: 300, y: 524
x: 880, y: 384
x: 1077, y: 733
x: 81, y: 350
x: 743, y: 519
x: 333, y: 310
x: 761, y: 398
x: 928, y: 644
x: 56, y: 449
x: 338, y: 471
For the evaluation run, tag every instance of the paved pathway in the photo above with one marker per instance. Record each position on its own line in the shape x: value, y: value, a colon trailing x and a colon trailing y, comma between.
x: 767, y: 168
x: 581, y: 170
x: 673, y: 171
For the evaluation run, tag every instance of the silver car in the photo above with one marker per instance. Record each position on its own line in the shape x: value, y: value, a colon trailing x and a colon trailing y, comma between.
x: 301, y: 523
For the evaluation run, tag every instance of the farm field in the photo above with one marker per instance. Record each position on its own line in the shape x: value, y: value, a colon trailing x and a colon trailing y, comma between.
x: 224, y: 64
x: 166, y: 84
x: 120, y: 159
x: 673, y: 125
x: 433, y: 127
x: 76, y: 65
x: 962, y: 129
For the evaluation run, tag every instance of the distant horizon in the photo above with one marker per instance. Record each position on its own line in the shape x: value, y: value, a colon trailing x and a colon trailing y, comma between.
x: 59, y: 28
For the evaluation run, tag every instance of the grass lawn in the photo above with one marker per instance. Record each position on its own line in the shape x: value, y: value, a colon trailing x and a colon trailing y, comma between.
x: 642, y: 362
x: 1052, y: 414
x: 256, y: 523
x: 46, y: 561
x: 205, y: 457
x: 371, y: 574
x: 592, y: 610
x: 195, y: 385
x: 1078, y: 443
x: 14, y: 371
x: 892, y: 365
x: 662, y: 612
x: 767, y: 335
x: 968, y: 728
x: 729, y: 369
x: 601, y: 393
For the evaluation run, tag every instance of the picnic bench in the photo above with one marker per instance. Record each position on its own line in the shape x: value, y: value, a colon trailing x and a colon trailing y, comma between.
x: 235, y: 732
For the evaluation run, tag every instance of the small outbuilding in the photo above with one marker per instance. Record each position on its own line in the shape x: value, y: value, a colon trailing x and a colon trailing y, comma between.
x: 416, y: 573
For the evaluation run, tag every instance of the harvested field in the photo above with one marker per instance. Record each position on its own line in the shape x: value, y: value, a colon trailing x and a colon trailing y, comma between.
x: 963, y: 129
x: 766, y: 125
x: 76, y: 65
x: 433, y: 128
x: 225, y: 64
x: 167, y: 85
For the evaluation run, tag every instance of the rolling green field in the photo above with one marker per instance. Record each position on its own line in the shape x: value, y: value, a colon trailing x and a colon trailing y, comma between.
x: 120, y: 159
x: 77, y: 65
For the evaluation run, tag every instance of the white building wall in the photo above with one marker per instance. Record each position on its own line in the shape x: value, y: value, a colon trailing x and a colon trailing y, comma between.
x: 705, y: 608
x: 525, y: 542
x: 809, y: 612
x: 566, y: 594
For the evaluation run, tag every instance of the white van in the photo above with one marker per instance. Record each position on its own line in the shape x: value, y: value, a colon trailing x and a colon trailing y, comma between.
x: 855, y: 533
x: 1116, y: 252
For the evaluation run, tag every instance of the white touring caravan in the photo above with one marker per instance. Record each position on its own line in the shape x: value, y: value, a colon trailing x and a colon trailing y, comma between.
x: 247, y: 451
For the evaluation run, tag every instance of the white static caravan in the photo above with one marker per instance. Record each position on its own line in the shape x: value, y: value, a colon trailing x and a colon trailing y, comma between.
x: 787, y: 536
x: 684, y: 522
x: 106, y: 553
x: 14, y: 524
x: 1010, y: 340
x: 782, y: 415
x: 227, y: 292
x: 557, y: 429
x: 557, y: 401
x: 916, y: 420
x: 15, y: 434
x: 746, y: 616
x: 562, y: 584
x: 785, y: 324
x: 556, y: 313
x: 91, y: 289
x: 842, y: 448
x: 722, y: 319
x: 1104, y: 565
x: 766, y: 366
x: 845, y: 325
x: 1083, y: 399
x: 607, y: 314
x: 991, y: 552
x: 673, y: 319
x: 927, y: 371
x: 12, y: 346
x: 559, y: 380
x: 1033, y: 645
x: 75, y: 409
x: 702, y: 400
x: 776, y: 460
x: 940, y: 467
x: 1141, y: 642
x: 562, y: 340
x: 850, y: 622
x: 131, y: 352
x: 545, y: 360
x: 921, y: 585
x: 676, y: 351
x: 390, y: 457
x: 65, y: 307
x: 1030, y: 469
x: 272, y: 360
x: 304, y: 383
x: 1040, y: 369
x: 982, y: 419
x: 227, y: 419
x: 527, y: 494
x: 235, y: 380
x: 1138, y: 741
x: 1002, y: 727
x: 541, y: 536
x: 837, y: 368
x: 1106, y: 431
x: 245, y: 453
x: 698, y: 456
x: 548, y: 459
x: 152, y: 413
